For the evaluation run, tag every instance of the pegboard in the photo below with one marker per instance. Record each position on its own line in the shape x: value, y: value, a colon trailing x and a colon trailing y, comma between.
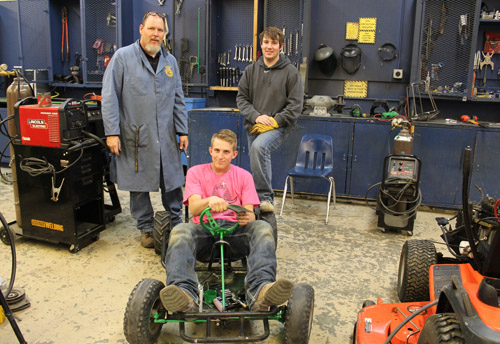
x: 443, y: 46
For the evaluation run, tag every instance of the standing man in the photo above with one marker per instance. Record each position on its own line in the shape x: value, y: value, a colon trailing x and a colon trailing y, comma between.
x: 270, y: 97
x: 216, y: 185
x: 143, y: 109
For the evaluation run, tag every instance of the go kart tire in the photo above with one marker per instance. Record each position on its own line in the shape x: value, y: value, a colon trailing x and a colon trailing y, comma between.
x: 413, y: 278
x: 142, y: 305
x: 299, y: 314
x: 161, y: 227
x: 441, y: 329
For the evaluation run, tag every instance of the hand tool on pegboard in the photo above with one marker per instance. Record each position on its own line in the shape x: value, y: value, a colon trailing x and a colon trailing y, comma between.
x: 486, y: 62
x: 64, y: 36
x: 477, y: 60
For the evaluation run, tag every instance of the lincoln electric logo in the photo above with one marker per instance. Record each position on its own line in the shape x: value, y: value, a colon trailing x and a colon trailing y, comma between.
x: 37, y: 123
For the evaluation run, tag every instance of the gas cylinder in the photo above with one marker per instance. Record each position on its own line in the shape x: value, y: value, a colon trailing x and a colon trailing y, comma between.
x: 18, y: 89
x: 403, y: 142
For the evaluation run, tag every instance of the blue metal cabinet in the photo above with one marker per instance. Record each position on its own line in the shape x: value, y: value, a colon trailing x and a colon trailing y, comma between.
x: 283, y: 159
x: 202, y: 125
x: 440, y: 150
x: 372, y: 142
x: 485, y: 172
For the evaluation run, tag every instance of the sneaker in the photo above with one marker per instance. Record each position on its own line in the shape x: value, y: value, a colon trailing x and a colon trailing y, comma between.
x: 147, y: 240
x: 266, y: 207
x: 272, y: 294
x: 175, y: 300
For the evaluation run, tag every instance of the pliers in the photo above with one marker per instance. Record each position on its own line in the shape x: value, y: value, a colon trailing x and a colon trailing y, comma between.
x: 64, y: 35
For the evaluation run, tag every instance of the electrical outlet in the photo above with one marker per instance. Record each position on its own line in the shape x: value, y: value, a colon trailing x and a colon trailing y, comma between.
x: 397, y: 74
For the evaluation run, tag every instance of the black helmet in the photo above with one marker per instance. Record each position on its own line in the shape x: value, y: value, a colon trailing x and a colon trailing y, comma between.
x: 326, y: 60
x: 350, y: 56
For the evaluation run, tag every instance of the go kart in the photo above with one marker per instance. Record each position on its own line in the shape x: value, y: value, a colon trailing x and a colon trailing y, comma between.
x: 222, y: 301
x: 444, y: 299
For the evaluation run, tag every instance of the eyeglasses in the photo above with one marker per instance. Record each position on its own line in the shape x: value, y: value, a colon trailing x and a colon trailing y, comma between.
x: 154, y: 14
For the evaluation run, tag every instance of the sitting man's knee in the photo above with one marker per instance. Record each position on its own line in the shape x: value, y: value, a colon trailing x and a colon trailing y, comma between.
x: 180, y: 232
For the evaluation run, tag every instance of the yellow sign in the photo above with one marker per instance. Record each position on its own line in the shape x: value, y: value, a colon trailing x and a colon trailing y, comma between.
x: 49, y: 225
x: 366, y: 37
x: 351, y: 30
x: 367, y: 24
x: 169, y: 71
x: 355, y: 89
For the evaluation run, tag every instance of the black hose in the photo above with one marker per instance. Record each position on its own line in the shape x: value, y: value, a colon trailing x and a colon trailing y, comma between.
x: 13, y: 249
x: 407, y: 320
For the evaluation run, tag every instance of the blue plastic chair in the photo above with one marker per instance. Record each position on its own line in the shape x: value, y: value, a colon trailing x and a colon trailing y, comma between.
x: 314, y: 160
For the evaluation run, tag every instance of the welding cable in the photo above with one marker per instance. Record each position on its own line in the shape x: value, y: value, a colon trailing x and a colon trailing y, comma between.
x: 19, y: 77
x: 2, y: 126
x: 35, y: 166
x: 2, y: 155
x: 407, y: 320
x: 13, y: 250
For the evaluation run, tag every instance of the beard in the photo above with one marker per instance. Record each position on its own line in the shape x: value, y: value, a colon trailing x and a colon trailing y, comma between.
x: 153, y: 49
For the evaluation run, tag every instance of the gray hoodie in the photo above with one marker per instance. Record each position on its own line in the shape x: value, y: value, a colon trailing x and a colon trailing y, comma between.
x: 276, y: 91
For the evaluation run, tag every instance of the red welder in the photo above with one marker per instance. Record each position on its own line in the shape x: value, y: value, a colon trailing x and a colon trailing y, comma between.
x: 56, y: 126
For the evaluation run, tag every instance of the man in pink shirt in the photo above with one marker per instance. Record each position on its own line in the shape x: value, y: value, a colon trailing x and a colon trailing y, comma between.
x: 216, y: 185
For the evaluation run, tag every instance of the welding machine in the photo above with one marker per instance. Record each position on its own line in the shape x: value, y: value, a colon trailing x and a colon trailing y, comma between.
x: 50, y: 126
x: 399, y: 195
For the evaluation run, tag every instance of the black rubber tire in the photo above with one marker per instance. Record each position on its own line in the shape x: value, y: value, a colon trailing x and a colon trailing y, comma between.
x: 144, y: 302
x: 367, y: 303
x: 413, y: 275
x: 161, y: 227
x: 299, y: 314
x: 441, y: 329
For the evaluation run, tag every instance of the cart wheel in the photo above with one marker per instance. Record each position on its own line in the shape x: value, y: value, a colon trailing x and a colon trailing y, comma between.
x: 144, y: 302
x: 161, y: 227
x: 111, y: 219
x: 73, y: 248
x: 409, y: 233
x: 4, y: 236
x: 299, y: 314
x: 413, y: 277
x: 367, y: 303
x: 440, y: 329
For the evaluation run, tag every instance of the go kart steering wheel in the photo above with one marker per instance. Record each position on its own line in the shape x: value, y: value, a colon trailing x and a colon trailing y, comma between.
x: 213, y: 227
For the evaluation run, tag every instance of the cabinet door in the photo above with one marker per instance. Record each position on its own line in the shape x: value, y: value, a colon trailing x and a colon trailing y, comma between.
x: 283, y: 159
x: 372, y: 143
x: 202, y: 125
x: 486, y: 165
x: 440, y: 151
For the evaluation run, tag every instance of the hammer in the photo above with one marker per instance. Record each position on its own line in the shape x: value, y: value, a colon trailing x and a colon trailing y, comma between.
x: 467, y: 119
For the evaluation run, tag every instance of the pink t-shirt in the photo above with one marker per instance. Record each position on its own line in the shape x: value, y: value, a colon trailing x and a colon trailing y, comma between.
x: 236, y: 186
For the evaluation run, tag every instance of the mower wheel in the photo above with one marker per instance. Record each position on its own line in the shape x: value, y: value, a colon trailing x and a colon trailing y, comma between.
x: 413, y: 278
x: 441, y: 329
x: 144, y: 302
x: 161, y: 228
x: 4, y: 236
x: 299, y: 314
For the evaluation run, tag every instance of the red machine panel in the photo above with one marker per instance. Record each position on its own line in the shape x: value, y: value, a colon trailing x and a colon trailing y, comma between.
x: 39, y: 126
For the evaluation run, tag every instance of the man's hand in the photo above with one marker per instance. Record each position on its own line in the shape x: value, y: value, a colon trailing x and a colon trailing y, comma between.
x: 244, y: 218
x: 183, y: 142
x: 217, y: 204
x: 265, y: 119
x: 114, y: 144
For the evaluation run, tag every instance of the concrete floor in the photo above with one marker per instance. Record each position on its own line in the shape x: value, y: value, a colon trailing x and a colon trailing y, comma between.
x: 81, y: 298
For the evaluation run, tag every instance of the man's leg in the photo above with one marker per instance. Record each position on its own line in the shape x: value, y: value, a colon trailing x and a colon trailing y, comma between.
x: 172, y: 202
x: 257, y: 242
x: 142, y: 210
x: 261, y: 147
x: 186, y: 242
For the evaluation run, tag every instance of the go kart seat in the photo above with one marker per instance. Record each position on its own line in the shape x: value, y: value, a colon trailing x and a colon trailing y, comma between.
x: 314, y: 160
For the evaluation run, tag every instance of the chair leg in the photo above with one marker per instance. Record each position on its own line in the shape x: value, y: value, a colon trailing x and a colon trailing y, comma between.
x: 334, y: 192
x: 331, y: 190
x: 291, y: 189
x: 284, y: 195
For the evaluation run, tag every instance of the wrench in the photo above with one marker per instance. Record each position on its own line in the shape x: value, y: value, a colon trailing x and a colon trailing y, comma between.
x: 239, y: 53
x: 228, y: 57
x: 251, y: 53
x: 235, y: 52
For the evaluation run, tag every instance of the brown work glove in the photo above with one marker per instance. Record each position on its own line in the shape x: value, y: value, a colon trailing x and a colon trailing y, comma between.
x: 259, y: 128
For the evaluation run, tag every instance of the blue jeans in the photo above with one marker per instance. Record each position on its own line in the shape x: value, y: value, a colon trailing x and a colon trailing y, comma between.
x: 261, y: 147
x: 189, y: 242
x: 142, y: 209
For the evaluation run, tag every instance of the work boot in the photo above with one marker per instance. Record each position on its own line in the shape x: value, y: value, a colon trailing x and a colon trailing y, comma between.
x: 175, y: 300
x: 147, y: 240
x: 266, y: 207
x: 272, y: 294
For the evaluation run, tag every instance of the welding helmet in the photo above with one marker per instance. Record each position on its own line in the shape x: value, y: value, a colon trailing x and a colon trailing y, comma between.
x: 350, y: 57
x: 326, y: 60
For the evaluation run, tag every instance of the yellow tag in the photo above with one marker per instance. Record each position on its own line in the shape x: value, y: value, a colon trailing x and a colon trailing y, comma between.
x: 169, y: 71
x: 367, y: 24
x: 355, y: 89
x: 351, y: 30
x: 366, y: 37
